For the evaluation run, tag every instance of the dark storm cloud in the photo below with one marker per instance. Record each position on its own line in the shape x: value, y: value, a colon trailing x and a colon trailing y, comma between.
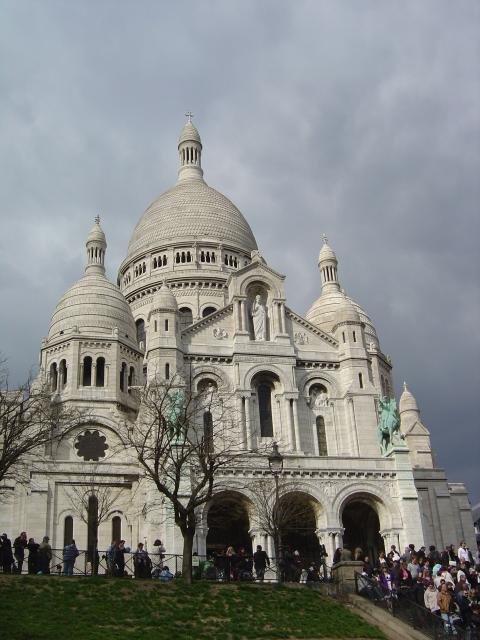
x: 360, y: 120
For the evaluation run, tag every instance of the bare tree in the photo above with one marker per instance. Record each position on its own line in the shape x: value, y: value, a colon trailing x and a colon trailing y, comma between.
x: 92, y: 499
x: 291, y: 513
x: 31, y: 419
x: 184, y: 440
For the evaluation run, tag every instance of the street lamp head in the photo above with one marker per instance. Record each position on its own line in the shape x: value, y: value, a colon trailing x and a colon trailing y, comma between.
x: 275, y: 460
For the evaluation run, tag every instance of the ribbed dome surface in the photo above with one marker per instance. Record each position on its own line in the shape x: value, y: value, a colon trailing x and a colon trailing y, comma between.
x: 94, y: 305
x: 323, y: 312
x: 407, y: 402
x: 163, y: 299
x: 189, y: 133
x: 191, y: 210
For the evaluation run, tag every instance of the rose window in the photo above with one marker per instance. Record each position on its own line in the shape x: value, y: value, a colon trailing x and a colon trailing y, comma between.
x: 91, y: 445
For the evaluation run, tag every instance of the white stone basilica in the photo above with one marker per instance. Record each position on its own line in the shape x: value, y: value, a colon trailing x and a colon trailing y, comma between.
x: 194, y: 292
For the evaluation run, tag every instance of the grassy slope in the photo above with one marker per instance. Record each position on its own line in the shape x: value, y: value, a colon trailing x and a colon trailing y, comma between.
x: 43, y: 608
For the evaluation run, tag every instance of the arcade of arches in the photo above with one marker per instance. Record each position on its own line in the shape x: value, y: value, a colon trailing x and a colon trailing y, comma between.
x: 229, y: 524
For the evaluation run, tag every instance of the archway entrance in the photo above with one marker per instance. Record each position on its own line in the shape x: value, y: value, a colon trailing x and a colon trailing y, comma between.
x: 298, y: 522
x: 228, y: 523
x: 362, y: 529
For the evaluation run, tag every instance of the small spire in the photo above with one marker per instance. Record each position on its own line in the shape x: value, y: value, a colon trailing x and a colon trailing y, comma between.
x: 405, y: 388
x: 96, y: 246
x: 190, y: 151
x: 325, y: 239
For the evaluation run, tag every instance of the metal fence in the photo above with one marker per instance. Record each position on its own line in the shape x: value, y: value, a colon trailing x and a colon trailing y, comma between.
x: 400, y: 604
x: 203, y: 567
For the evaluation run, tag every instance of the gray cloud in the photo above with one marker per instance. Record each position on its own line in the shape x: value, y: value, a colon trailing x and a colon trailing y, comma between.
x: 360, y: 120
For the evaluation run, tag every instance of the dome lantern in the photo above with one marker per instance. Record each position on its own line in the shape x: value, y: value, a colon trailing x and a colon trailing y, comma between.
x: 96, y: 246
x: 328, y: 263
x: 190, y: 152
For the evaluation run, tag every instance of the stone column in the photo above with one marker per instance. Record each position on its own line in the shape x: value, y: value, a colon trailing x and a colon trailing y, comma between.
x: 201, y: 535
x: 291, y: 428
x: 245, y: 316
x: 331, y: 548
x: 238, y: 316
x: 256, y: 538
x: 296, y: 425
x: 269, y: 546
x: 248, y: 422
x: 242, y: 316
x: 94, y: 373
x: 242, y: 420
x: 282, y: 317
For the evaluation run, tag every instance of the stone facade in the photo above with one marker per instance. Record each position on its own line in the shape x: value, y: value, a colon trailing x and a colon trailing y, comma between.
x: 184, y: 300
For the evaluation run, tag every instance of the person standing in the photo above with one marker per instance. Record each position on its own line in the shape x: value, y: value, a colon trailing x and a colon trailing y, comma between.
x: 260, y: 561
x: 7, y: 555
x: 70, y: 554
x: 32, y: 547
x: 44, y: 556
x: 19, y: 546
x: 444, y: 600
x: 142, y: 565
x: 323, y: 561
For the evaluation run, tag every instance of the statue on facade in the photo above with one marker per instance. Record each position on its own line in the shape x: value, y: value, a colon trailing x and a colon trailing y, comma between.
x: 320, y: 399
x: 259, y: 317
x: 388, y: 425
x: 176, y: 407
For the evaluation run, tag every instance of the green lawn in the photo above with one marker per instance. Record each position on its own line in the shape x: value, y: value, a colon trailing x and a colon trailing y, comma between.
x: 52, y: 608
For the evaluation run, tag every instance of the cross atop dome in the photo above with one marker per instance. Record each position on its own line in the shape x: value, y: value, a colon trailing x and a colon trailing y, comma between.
x: 325, y: 239
x: 189, y: 115
x: 97, y: 219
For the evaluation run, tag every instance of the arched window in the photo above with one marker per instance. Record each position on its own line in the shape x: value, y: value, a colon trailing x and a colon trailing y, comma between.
x: 87, y: 371
x: 100, y: 381
x: 164, y: 260
x: 207, y: 311
x: 321, y: 436
x: 167, y: 371
x: 131, y: 379
x: 62, y: 371
x: 123, y: 376
x: 166, y: 325
x: 264, y: 392
x: 186, y: 317
x: 360, y: 380
x: 208, y: 432
x: 67, y: 531
x: 92, y: 527
x: 116, y: 528
x: 53, y: 376
x: 213, y: 256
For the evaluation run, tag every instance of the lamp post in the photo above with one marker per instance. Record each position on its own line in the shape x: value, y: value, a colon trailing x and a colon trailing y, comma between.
x: 275, y: 462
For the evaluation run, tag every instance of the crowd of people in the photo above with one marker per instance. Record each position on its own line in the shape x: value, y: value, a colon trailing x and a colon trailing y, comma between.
x: 444, y: 582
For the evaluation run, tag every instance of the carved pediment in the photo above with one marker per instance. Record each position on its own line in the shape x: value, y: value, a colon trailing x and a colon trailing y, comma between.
x: 415, y: 429
x: 309, y: 337
x: 218, y: 326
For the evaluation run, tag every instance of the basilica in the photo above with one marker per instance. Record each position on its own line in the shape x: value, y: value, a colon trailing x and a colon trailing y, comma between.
x: 194, y: 294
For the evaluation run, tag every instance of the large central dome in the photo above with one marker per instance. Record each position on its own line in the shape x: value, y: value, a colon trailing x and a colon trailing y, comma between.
x: 191, y: 211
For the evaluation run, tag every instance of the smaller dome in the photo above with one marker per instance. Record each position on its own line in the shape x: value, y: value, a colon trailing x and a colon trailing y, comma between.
x: 346, y: 312
x: 96, y: 306
x: 189, y: 133
x: 407, y: 401
x: 96, y: 233
x: 164, y: 300
x: 326, y: 253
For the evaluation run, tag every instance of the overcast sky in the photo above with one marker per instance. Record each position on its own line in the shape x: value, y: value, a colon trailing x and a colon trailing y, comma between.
x: 355, y: 119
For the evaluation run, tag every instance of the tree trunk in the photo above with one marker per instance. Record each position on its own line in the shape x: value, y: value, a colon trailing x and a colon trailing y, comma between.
x: 188, y: 536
